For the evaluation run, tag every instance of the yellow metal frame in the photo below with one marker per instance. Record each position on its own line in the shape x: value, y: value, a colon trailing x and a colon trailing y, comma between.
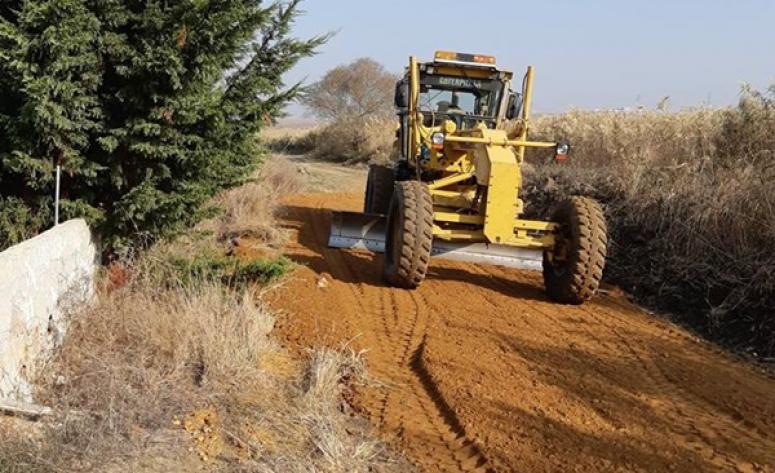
x: 477, y: 197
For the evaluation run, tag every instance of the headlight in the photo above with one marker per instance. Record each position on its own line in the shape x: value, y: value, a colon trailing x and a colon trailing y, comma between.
x: 437, y: 140
x: 561, y: 151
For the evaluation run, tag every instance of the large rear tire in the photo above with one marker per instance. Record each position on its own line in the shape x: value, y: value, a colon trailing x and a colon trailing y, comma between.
x: 409, y: 235
x: 572, y: 273
x: 379, y: 189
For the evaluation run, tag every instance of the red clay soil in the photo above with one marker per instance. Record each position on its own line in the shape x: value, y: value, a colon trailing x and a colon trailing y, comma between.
x: 480, y: 372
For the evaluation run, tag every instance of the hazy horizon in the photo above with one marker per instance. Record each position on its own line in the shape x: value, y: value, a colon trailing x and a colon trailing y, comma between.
x: 599, y: 54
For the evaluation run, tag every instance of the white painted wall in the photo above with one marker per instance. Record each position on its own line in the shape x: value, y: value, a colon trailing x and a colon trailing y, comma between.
x: 41, y: 280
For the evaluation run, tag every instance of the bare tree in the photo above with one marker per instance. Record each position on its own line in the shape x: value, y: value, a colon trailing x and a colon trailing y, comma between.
x: 359, y: 89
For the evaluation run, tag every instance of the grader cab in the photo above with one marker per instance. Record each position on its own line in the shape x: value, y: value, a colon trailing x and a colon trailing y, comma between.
x: 454, y: 190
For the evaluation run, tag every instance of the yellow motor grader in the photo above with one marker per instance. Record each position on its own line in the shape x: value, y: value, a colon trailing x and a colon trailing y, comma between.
x: 454, y: 190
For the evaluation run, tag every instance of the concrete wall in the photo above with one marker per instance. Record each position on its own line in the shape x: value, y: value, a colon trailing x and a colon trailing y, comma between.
x: 41, y: 280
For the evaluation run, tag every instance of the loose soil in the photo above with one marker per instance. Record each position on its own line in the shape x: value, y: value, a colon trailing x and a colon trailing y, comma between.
x: 479, y: 371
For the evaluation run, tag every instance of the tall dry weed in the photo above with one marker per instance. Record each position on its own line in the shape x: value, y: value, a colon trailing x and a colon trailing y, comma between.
x: 690, y: 207
x: 625, y: 138
x: 251, y: 209
x: 289, y: 140
x: 347, y: 140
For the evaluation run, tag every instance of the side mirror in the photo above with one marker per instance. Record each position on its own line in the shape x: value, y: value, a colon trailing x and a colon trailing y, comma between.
x: 514, y: 107
x: 402, y: 94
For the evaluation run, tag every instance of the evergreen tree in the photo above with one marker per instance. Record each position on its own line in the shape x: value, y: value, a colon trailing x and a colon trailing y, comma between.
x: 149, y: 106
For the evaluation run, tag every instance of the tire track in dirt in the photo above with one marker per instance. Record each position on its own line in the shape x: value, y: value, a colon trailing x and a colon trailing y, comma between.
x: 409, y: 404
x: 481, y: 373
x: 671, y: 388
x: 705, y: 431
x: 465, y: 452
x: 414, y: 393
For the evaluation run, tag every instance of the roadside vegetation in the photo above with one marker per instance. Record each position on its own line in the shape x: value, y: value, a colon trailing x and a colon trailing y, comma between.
x: 174, y: 367
x: 690, y: 207
x: 190, y: 377
x: 366, y: 140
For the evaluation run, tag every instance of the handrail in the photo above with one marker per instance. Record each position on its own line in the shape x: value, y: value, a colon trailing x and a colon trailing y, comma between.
x: 506, y: 142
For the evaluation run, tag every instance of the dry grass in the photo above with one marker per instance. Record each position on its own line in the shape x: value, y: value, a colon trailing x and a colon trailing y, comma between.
x: 627, y: 138
x: 250, y: 210
x: 143, y: 357
x: 690, y: 206
x: 288, y: 140
x: 367, y: 139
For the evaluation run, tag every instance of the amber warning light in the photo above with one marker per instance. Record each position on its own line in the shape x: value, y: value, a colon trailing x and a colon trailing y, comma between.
x: 451, y: 56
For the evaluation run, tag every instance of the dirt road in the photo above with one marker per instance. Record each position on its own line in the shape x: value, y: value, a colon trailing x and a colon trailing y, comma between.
x: 481, y: 372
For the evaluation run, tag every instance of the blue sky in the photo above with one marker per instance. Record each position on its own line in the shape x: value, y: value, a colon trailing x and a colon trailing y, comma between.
x: 587, y: 53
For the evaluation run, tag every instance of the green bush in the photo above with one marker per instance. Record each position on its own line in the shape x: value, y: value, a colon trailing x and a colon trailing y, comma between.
x: 229, y: 270
x: 150, y: 108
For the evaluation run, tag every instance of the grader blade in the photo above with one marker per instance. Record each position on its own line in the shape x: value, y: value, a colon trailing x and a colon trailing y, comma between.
x: 353, y: 230
x: 483, y: 253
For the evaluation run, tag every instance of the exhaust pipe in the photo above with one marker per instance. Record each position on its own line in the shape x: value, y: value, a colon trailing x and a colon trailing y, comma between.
x: 353, y: 230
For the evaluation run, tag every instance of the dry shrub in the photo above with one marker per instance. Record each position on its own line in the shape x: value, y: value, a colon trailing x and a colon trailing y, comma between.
x: 140, y: 356
x: 748, y: 132
x: 356, y: 102
x: 690, y: 207
x: 250, y: 210
x: 327, y: 374
x: 368, y: 139
x: 288, y: 140
x: 362, y: 88
x: 142, y: 353
x: 143, y: 357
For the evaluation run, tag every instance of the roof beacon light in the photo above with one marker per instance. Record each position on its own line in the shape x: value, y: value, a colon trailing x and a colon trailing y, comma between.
x: 450, y: 56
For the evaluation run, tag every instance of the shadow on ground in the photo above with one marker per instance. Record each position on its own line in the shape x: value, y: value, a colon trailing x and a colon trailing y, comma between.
x: 361, y: 267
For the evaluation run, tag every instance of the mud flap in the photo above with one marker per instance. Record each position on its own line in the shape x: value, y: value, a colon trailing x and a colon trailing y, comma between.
x: 353, y: 230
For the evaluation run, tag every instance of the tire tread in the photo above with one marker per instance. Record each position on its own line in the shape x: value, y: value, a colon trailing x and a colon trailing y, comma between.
x: 413, y: 200
x: 580, y: 276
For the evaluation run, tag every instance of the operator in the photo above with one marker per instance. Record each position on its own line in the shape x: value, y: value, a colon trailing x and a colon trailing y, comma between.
x: 454, y: 106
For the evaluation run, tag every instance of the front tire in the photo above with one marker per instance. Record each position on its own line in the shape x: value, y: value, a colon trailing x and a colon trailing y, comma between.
x: 379, y: 190
x: 409, y: 235
x: 572, y: 273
